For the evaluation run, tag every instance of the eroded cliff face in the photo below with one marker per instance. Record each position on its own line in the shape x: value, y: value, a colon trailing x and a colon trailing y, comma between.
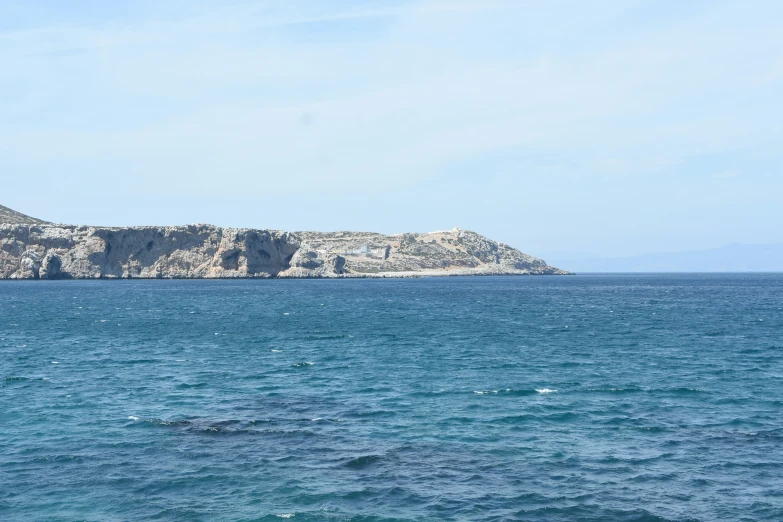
x: 42, y: 251
x: 444, y: 252
x: 194, y: 251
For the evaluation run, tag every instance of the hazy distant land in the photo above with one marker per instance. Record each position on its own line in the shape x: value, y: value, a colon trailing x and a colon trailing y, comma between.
x: 729, y: 258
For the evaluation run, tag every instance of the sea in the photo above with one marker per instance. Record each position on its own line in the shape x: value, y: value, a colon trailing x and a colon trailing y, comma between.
x: 640, y: 397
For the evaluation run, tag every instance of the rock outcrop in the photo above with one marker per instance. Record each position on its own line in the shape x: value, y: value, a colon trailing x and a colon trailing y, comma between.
x: 8, y: 215
x: 194, y: 251
x: 35, y: 250
x: 452, y: 252
x: 206, y: 251
x: 312, y: 263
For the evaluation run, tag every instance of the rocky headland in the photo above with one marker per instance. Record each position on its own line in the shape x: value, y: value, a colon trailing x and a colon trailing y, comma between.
x: 12, y: 216
x: 33, y: 249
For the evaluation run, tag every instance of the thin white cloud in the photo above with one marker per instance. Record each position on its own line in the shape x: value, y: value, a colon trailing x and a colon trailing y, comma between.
x: 178, y: 104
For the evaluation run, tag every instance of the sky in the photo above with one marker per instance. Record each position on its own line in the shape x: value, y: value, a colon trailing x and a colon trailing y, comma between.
x: 609, y: 128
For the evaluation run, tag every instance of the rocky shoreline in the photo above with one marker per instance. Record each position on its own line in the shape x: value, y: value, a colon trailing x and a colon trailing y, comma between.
x: 48, y: 251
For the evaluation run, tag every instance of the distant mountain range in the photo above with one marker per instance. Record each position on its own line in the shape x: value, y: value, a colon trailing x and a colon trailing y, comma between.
x: 730, y: 258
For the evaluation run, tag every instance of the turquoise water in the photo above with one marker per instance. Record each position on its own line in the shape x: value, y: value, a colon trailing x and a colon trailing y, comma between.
x: 622, y: 397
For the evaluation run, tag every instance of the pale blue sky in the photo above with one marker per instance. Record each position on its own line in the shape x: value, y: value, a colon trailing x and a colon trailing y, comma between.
x: 605, y: 127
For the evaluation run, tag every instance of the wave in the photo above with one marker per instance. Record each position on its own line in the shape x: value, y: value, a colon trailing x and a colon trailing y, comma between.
x: 515, y: 419
x: 507, y: 391
x: 631, y: 389
x: 373, y: 413
x: 457, y: 420
x: 561, y: 417
x: 591, y: 513
x: 226, y: 427
x: 682, y: 390
x: 362, y: 461
x: 635, y: 460
x: 324, y: 337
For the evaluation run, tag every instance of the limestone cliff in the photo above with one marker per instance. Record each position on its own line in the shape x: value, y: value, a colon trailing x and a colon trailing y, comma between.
x: 452, y: 252
x: 194, y: 251
x: 45, y: 251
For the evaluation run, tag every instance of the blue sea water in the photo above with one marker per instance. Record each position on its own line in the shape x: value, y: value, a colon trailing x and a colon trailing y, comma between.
x: 594, y: 397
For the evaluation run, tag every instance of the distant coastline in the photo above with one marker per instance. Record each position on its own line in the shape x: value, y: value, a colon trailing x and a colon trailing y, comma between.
x: 732, y: 258
x: 33, y: 249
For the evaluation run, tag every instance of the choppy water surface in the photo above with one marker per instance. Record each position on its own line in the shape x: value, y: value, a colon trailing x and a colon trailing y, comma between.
x: 640, y: 397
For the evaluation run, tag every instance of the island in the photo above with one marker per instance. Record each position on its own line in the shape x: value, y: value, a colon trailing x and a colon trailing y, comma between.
x: 34, y: 249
